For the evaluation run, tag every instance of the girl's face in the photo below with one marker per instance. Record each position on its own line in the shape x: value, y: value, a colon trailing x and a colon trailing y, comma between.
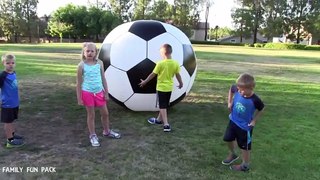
x: 90, y: 52
x: 245, y: 92
x: 9, y: 65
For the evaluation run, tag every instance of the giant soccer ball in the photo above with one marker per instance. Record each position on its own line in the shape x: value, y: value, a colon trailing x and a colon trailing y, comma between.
x: 131, y: 51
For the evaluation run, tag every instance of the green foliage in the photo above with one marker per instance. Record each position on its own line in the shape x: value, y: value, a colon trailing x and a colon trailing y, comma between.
x: 291, y: 46
x: 219, y: 32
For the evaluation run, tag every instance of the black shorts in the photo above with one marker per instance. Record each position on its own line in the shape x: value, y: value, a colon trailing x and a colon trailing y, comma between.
x: 234, y: 132
x: 8, y: 115
x: 164, y: 99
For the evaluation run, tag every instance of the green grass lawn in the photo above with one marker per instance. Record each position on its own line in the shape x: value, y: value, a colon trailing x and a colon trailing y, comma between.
x: 285, y: 139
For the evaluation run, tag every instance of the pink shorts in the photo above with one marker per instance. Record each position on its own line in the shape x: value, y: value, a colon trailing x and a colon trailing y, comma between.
x: 93, y: 99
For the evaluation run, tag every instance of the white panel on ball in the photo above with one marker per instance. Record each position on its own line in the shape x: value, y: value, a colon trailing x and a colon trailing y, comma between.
x: 121, y: 91
x: 142, y: 102
x: 176, y: 93
x: 177, y: 33
x: 116, y: 32
x: 165, y: 38
x: 133, y: 50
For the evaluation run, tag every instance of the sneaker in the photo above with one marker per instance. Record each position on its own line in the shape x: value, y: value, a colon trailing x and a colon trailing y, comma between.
x: 154, y: 120
x: 94, y: 140
x: 166, y: 128
x: 112, y: 134
x: 239, y: 167
x: 230, y: 159
x: 17, y: 137
x: 14, y: 143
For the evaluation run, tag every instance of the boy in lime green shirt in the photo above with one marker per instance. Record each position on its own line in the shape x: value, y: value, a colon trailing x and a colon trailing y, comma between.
x: 165, y: 71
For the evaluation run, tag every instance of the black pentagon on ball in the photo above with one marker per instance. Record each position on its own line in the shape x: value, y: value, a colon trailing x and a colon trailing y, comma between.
x: 177, y: 100
x: 141, y: 71
x: 117, y: 101
x: 104, y: 55
x: 189, y: 59
x: 147, y: 29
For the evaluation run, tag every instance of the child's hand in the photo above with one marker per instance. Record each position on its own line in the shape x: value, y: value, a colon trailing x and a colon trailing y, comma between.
x: 180, y: 86
x: 106, y: 96
x: 142, y: 83
x: 80, y: 102
x: 252, y: 124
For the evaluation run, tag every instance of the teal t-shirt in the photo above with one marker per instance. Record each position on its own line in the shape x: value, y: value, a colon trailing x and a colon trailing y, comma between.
x: 92, y: 81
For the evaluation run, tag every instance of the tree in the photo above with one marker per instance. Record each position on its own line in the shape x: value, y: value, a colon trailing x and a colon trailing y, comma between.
x: 57, y: 28
x: 186, y: 14
x: 243, y: 20
x: 141, y: 7
x: 276, y: 19
x: 73, y: 16
x: 300, y: 14
x: 10, y: 18
x: 29, y: 14
x: 161, y: 10
x: 122, y: 8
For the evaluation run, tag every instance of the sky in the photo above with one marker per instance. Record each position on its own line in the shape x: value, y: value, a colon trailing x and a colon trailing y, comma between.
x: 219, y: 13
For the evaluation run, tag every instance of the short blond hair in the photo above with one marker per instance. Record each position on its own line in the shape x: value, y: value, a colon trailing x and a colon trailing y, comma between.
x: 167, y: 48
x: 7, y: 57
x: 246, y: 80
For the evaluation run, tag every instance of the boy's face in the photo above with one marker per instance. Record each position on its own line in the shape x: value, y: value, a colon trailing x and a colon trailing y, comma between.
x: 9, y: 65
x: 245, y: 91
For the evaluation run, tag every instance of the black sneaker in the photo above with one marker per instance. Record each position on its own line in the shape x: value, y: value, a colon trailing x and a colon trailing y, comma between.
x: 239, y: 167
x: 230, y: 159
x: 14, y: 143
x: 166, y: 128
x: 17, y: 137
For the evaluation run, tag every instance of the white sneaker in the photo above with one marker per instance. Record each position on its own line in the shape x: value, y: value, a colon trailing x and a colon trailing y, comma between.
x: 112, y: 134
x: 94, y: 140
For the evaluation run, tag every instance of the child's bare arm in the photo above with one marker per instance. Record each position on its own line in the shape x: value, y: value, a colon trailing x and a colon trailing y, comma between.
x: 178, y: 76
x: 79, y: 83
x: 256, y: 117
x: 144, y: 82
x: 230, y: 99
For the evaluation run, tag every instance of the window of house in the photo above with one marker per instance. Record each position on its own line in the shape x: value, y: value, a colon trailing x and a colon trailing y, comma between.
x: 233, y: 41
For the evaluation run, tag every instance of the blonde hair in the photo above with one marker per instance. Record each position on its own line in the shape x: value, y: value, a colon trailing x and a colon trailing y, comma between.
x: 246, y: 80
x: 7, y: 57
x: 85, y: 45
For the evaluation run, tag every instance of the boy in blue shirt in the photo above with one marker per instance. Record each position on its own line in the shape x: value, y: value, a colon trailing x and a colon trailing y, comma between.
x: 246, y: 108
x: 10, y: 100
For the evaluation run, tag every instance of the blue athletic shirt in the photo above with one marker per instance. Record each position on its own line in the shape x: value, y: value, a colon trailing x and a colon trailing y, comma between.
x: 243, y: 108
x: 92, y: 81
x: 9, y: 90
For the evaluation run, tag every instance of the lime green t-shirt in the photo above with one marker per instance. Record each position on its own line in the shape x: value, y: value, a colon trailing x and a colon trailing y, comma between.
x: 165, y: 70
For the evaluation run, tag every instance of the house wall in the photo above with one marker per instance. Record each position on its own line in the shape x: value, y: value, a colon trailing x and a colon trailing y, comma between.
x: 198, y: 35
x: 236, y: 39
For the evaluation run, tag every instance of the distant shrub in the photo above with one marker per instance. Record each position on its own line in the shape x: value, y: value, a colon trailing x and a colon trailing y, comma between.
x: 258, y: 45
x: 313, y: 47
x: 284, y: 46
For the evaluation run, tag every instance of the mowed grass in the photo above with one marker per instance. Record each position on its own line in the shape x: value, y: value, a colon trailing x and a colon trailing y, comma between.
x: 285, y: 140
